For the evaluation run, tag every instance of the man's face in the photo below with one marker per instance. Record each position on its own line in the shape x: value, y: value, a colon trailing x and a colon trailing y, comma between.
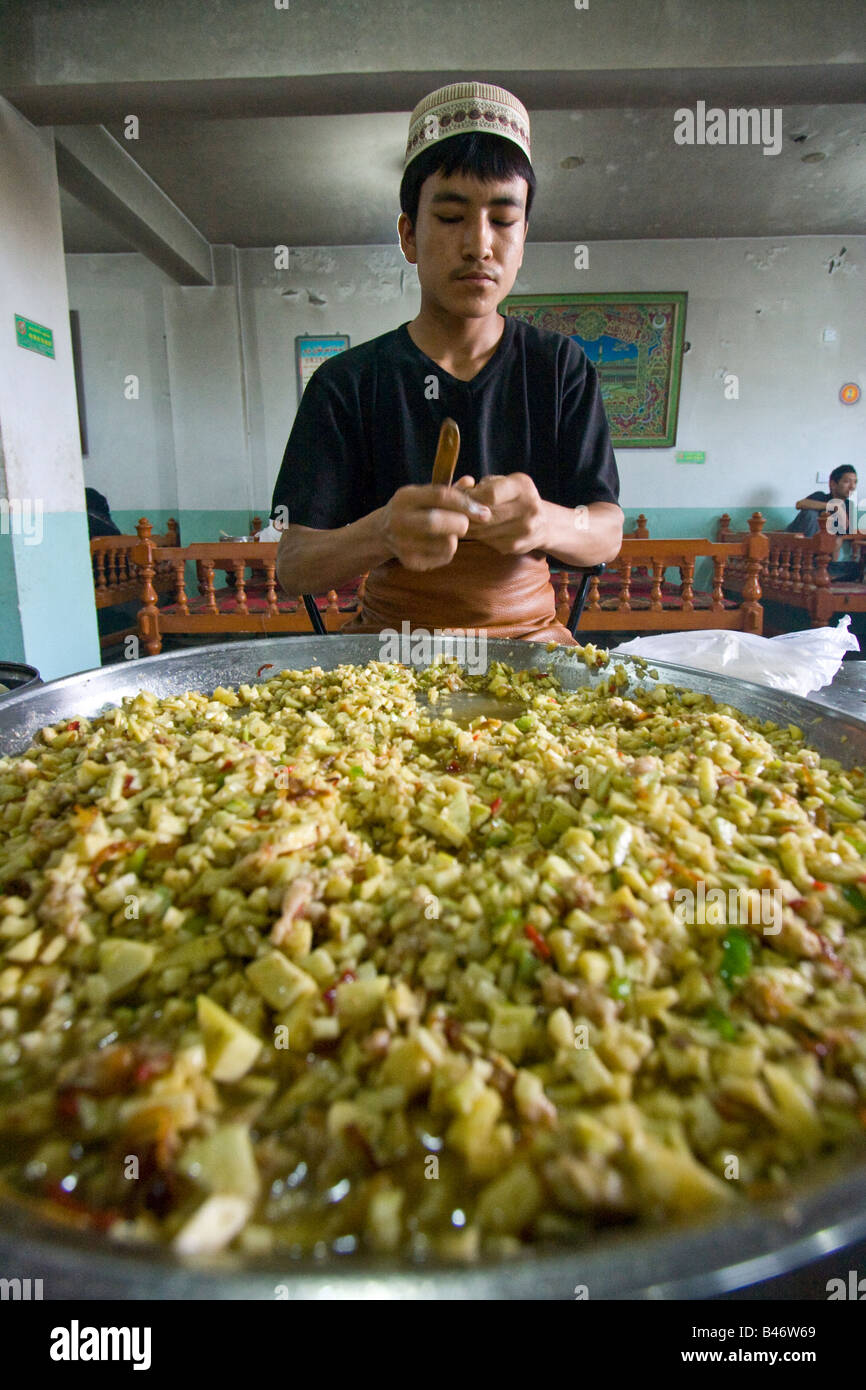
x: 844, y: 486
x: 467, y: 241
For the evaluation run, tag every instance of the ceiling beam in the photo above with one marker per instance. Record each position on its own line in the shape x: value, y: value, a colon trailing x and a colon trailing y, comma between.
x: 338, y: 94
x: 93, y: 167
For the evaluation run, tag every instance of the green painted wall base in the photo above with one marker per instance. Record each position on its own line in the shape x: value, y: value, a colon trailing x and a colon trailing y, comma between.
x: 47, y: 613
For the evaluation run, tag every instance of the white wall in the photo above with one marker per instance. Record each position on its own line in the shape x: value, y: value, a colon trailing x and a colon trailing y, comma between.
x: 47, y: 617
x: 757, y: 308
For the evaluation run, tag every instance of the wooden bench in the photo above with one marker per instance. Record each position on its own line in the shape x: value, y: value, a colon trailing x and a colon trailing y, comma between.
x: 795, y: 573
x: 634, y: 595
x: 254, y: 604
x: 116, y: 576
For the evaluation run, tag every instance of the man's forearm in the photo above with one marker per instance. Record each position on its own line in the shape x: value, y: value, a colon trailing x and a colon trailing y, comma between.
x: 584, y: 536
x: 311, y: 562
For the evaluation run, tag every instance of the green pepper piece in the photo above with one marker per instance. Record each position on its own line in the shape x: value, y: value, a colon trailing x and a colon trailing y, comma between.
x: 736, y: 956
x: 137, y: 859
x: 524, y: 723
x: 356, y: 771
x: 620, y: 987
x: 855, y: 896
x: 723, y: 1025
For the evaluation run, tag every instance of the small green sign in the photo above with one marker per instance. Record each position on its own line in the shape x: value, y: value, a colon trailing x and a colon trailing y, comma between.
x: 691, y: 456
x: 34, y: 336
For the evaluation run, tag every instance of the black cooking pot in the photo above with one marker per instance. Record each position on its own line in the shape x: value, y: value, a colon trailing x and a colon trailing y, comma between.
x: 16, y: 676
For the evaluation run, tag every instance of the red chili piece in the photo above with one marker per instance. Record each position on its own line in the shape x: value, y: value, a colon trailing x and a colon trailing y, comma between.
x: 495, y: 805
x: 268, y: 666
x: 539, y: 945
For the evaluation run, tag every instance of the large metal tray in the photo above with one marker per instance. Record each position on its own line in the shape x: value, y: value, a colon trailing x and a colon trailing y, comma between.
x: 825, y: 1212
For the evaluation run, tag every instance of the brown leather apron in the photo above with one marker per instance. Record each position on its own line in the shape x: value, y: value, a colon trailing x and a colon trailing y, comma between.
x: 503, y: 595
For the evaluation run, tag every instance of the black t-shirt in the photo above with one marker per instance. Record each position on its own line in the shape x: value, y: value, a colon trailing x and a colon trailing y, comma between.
x: 806, y: 521
x: 369, y: 420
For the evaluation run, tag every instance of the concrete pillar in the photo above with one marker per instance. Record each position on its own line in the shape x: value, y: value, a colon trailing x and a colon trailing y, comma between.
x: 47, y: 610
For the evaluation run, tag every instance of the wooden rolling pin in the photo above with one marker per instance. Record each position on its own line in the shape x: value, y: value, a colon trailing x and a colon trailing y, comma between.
x: 446, y: 453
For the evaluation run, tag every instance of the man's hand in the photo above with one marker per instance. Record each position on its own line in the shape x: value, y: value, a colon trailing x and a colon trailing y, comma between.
x: 421, y: 526
x: 518, y: 517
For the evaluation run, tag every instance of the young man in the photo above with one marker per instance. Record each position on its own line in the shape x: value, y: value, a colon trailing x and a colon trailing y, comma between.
x: 536, y: 473
x: 843, y: 481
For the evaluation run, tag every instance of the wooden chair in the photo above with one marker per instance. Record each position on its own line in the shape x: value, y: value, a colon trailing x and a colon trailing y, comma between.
x: 253, y: 606
x: 673, y: 606
x: 796, y: 574
x: 116, y: 576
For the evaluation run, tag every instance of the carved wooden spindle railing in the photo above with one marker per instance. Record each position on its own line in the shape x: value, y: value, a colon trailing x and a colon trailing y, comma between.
x: 718, y: 582
x: 148, y: 620
x: 755, y: 559
x: 206, y: 586
x: 271, y: 587
x: 255, y: 526
x: 798, y: 574
x: 641, y: 529
x: 180, y: 598
x: 238, y: 568
x: 562, y: 597
x: 332, y: 614
x: 99, y: 571
x: 687, y: 574
x: 658, y: 574
x: 826, y: 546
x: 624, y: 598
x: 592, y: 597
x: 725, y: 535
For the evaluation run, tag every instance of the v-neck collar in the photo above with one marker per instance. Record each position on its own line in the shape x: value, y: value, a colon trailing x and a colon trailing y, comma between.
x: 489, y: 366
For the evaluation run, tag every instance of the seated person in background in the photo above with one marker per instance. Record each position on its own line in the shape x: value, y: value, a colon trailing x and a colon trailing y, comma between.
x: 99, y: 521
x: 843, y: 481
x: 538, y: 471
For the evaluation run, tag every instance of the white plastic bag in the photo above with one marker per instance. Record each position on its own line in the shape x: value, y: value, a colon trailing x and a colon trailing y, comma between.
x: 798, y: 662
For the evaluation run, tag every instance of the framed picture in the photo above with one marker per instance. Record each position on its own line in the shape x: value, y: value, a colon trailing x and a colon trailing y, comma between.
x: 311, y: 352
x: 636, y: 343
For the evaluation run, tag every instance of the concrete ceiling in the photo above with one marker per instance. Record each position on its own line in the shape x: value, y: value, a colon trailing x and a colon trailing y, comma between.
x: 334, y: 180
x: 263, y: 134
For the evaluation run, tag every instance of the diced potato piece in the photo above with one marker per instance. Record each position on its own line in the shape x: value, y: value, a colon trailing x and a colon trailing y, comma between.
x: 298, y: 1024
x: 566, y: 950
x: 27, y: 949
x: 216, y: 1222
x: 279, y: 980
x: 358, y: 1000
x: 531, y: 1101
x: 407, y: 1065
x: 224, y: 1162
x: 511, y: 1202
x: 383, y: 1219
x: 230, y: 1048
x: 675, y: 1179
x: 594, y: 967
x: 512, y: 1027
x: 560, y: 1028
x: 123, y: 962
x: 484, y: 1144
x: 796, y: 1115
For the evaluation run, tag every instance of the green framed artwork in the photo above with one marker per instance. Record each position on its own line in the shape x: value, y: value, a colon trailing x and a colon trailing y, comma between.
x: 636, y: 343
